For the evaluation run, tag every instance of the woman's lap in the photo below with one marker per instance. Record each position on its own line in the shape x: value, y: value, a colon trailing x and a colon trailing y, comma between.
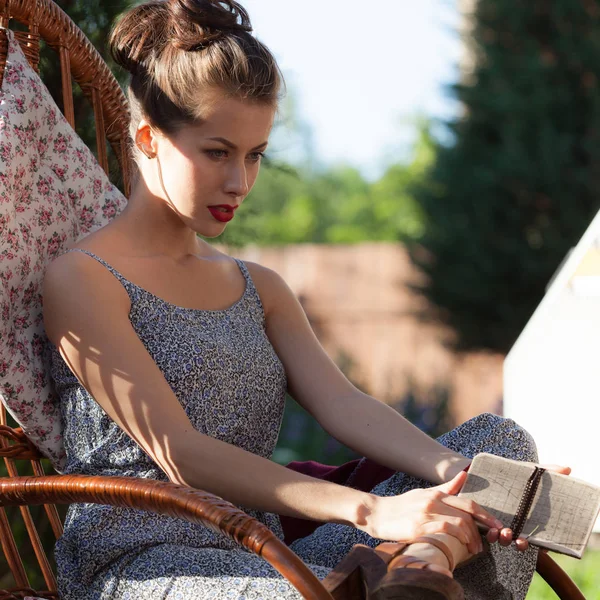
x: 501, y: 573
x: 171, y: 571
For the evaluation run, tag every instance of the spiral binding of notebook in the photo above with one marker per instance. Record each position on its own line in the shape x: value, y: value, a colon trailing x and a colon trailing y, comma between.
x: 551, y: 510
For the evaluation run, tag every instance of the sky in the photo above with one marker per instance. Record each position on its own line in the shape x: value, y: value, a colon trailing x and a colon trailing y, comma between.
x: 360, y: 72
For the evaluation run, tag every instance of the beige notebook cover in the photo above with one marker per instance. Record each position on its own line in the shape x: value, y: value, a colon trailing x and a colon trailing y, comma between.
x: 563, y: 510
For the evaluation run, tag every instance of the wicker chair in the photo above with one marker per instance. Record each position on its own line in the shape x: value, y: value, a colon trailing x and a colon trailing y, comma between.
x: 80, y: 61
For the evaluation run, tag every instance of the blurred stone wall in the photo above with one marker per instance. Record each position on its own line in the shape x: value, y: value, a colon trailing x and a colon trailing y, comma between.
x: 360, y: 307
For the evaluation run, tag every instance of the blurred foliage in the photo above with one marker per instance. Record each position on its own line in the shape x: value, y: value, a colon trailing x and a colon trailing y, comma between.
x: 302, y: 438
x: 336, y: 205
x: 516, y: 189
x: 429, y: 411
x: 585, y: 573
x: 95, y: 19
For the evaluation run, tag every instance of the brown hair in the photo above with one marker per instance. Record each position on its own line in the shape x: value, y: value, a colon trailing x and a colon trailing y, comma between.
x: 175, y: 49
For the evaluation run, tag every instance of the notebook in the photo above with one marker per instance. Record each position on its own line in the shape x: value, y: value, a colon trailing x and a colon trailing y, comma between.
x: 551, y: 510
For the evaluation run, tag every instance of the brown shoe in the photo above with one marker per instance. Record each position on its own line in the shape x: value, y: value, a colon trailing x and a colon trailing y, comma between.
x: 408, y: 578
x: 410, y: 583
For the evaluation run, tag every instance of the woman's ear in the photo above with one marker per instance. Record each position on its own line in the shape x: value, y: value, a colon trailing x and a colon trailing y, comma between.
x: 145, y: 139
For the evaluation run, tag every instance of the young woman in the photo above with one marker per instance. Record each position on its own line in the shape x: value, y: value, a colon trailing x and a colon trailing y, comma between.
x: 172, y: 359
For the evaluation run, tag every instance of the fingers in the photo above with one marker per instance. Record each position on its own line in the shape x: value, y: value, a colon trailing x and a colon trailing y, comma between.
x: 503, y: 536
x: 457, y: 527
x: 460, y: 528
x: 453, y: 486
x: 441, y: 511
x: 557, y: 469
x: 522, y: 544
x: 473, y: 546
x: 448, y: 527
x: 506, y: 536
x: 492, y: 535
x: 474, y: 543
x: 472, y: 508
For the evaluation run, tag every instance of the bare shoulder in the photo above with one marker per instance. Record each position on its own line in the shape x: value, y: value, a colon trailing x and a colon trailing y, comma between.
x: 74, y: 270
x: 77, y: 268
x: 74, y: 281
x: 271, y: 287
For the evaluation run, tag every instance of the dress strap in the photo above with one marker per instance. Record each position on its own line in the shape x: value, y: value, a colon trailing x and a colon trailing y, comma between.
x: 128, y: 285
x: 251, y: 293
x: 244, y: 269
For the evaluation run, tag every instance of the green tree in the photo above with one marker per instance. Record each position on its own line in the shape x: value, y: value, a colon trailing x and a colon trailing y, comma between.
x: 515, y: 190
x: 396, y: 212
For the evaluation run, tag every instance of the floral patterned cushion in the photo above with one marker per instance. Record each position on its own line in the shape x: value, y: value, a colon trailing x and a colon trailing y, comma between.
x: 52, y: 193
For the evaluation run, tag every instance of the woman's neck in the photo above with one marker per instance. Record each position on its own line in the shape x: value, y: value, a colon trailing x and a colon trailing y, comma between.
x: 153, y: 228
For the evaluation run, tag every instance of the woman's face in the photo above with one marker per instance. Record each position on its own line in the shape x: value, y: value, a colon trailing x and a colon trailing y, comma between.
x: 208, y: 169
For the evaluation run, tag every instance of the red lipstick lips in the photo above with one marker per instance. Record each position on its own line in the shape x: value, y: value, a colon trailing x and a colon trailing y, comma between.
x: 222, y: 212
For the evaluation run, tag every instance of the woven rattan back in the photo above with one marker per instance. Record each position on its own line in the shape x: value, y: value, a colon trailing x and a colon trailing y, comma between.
x: 80, y: 62
x: 15, y: 448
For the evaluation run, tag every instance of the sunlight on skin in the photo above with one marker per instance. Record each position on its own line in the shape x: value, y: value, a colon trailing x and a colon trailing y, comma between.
x: 90, y: 359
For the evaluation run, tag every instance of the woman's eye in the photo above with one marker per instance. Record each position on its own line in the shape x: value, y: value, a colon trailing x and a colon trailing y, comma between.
x: 256, y: 156
x: 217, y: 153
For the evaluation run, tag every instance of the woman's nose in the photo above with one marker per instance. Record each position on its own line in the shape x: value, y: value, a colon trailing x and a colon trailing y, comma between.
x: 237, y: 181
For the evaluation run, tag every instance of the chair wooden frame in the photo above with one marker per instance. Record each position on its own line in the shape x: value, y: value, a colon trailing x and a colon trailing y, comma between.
x: 80, y: 61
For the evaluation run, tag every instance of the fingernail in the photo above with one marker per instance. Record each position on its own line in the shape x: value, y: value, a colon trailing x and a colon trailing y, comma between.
x: 498, y: 524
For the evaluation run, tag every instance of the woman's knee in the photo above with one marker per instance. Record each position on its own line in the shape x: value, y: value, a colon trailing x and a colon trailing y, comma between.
x: 493, y: 434
x: 509, y: 439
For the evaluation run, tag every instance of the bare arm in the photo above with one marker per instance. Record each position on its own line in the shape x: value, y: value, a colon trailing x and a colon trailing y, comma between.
x: 86, y: 316
x: 362, y: 423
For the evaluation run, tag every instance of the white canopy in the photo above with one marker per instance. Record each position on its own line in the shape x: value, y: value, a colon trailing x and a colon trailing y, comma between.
x: 552, y: 373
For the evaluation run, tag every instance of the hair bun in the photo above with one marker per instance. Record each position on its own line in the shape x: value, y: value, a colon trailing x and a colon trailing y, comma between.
x: 195, y: 24
x: 137, y: 35
x: 145, y: 30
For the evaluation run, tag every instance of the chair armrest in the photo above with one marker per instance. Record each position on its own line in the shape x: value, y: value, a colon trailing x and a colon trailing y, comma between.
x: 557, y: 579
x: 173, y: 500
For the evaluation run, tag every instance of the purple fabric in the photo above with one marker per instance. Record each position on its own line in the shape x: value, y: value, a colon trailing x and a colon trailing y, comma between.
x: 361, y: 474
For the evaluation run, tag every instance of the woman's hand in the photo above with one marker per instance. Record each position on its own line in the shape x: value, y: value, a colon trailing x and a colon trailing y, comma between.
x: 427, y: 511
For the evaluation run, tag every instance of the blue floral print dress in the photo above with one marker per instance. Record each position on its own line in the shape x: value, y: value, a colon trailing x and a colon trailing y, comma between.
x: 231, y: 384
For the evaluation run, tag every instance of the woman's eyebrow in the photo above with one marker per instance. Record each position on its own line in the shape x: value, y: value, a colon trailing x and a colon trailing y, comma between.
x: 231, y: 145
